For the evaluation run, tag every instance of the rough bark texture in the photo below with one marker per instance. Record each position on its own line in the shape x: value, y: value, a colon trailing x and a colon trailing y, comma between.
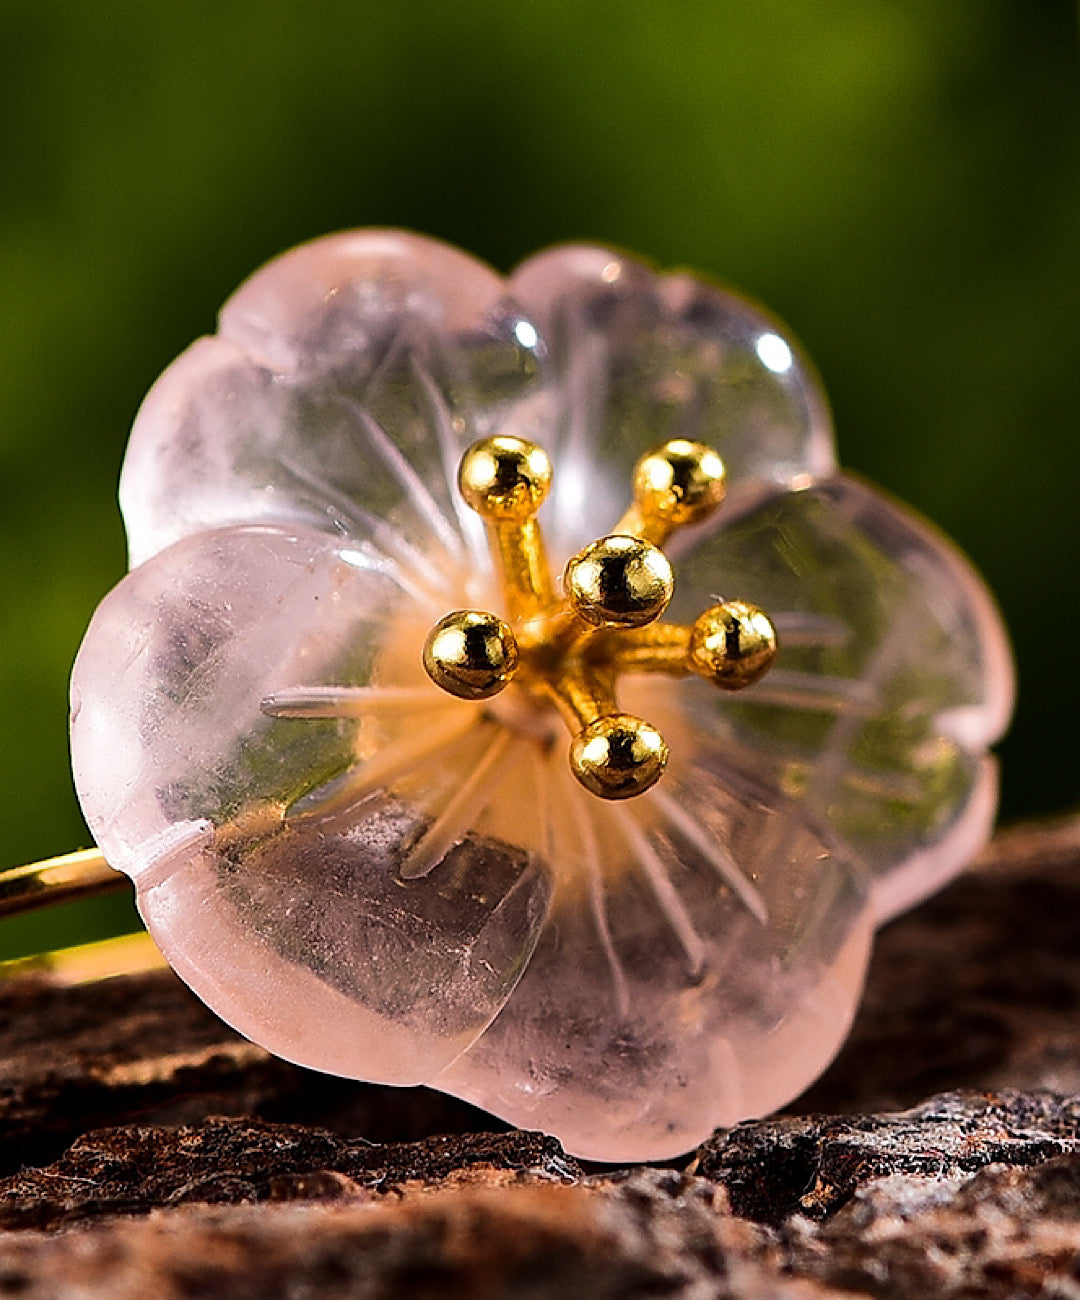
x: 940, y: 1156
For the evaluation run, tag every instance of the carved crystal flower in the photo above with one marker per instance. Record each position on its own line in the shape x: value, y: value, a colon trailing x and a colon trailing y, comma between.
x: 376, y: 878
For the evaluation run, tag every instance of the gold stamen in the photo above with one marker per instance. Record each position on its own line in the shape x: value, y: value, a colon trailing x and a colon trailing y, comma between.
x: 569, y: 654
x: 619, y: 581
x: 614, y: 755
x: 505, y: 480
x: 471, y: 654
x: 677, y: 483
x: 618, y: 756
x: 732, y: 645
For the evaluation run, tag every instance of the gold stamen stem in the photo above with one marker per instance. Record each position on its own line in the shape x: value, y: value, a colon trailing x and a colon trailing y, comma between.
x: 634, y: 523
x: 659, y: 648
x: 677, y: 483
x: 732, y: 645
x: 520, y: 553
x: 505, y: 480
x: 582, y: 693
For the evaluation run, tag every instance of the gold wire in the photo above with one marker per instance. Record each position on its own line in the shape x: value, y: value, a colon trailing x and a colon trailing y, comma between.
x: 64, y: 879
x: 648, y: 525
x: 126, y: 954
x: 70, y: 878
x: 521, y: 561
x: 657, y: 648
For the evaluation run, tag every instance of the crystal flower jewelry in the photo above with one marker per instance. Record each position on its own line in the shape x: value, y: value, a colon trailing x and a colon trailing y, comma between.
x: 601, y: 853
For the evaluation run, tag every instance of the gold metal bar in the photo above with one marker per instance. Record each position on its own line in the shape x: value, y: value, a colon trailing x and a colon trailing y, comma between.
x: 65, y: 879
x: 127, y: 954
x: 582, y: 695
x: 658, y: 648
x: 520, y: 553
x: 651, y: 528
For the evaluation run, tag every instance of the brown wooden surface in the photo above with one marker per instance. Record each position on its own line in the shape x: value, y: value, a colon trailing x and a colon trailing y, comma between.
x: 181, y: 1161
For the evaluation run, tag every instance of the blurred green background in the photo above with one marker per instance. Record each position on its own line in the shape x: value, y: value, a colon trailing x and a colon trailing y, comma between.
x: 899, y: 181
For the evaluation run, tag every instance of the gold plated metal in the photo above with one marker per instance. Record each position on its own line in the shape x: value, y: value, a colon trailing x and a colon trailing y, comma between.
x: 619, y: 581
x: 733, y: 644
x: 569, y: 653
x: 676, y: 484
x: 471, y: 654
x: 613, y: 754
x: 72, y: 878
x: 76, y: 877
x: 618, y: 756
x: 505, y: 480
x: 57, y: 880
x: 658, y: 648
x: 126, y: 954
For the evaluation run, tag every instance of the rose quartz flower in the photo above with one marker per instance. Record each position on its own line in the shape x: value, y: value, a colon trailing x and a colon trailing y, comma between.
x: 415, y: 890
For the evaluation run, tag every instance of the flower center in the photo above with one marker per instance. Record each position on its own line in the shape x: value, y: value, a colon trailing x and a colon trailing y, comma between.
x: 568, y: 652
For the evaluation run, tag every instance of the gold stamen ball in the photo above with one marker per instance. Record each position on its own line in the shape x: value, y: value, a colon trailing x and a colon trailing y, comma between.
x: 471, y: 654
x: 732, y: 645
x: 680, y: 481
x: 505, y: 479
x: 619, y: 581
x: 618, y: 756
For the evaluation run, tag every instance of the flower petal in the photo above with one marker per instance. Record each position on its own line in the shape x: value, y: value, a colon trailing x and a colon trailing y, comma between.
x: 348, y: 376
x: 702, y: 963
x: 268, y: 851
x: 638, y: 358
x: 357, y: 870
x: 892, y: 678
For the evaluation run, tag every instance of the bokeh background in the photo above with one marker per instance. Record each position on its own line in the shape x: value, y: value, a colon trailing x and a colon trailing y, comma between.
x: 899, y: 181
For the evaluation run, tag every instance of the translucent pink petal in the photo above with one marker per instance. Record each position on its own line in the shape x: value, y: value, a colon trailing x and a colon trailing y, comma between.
x: 702, y: 963
x: 298, y: 930
x: 893, y: 677
x: 637, y: 358
x: 347, y: 378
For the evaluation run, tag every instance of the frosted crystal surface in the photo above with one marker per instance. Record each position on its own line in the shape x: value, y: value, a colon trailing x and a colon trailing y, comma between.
x: 346, y: 381
x: 893, y: 677
x: 417, y: 890
x: 300, y: 932
x: 636, y: 358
